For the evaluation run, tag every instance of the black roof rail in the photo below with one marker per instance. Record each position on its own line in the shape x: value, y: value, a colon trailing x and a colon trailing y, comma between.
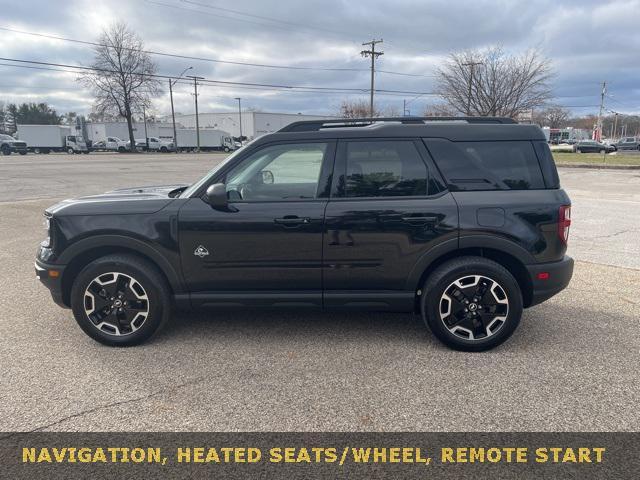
x: 313, y: 125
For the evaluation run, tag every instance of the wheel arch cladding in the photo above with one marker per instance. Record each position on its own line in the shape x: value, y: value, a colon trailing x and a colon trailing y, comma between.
x: 89, y: 252
x: 508, y: 261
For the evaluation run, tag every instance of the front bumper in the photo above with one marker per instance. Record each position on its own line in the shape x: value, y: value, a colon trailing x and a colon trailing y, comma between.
x: 51, y: 277
x: 558, y: 275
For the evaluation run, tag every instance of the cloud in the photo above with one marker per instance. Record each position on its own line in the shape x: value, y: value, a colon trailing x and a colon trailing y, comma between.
x: 588, y: 41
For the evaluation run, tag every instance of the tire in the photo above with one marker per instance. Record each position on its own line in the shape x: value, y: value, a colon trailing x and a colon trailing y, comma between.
x: 37, y: 151
x: 226, y: 149
x: 6, y: 151
x: 22, y: 152
x: 86, y: 153
x: 457, y: 276
x: 113, y: 274
x: 70, y: 151
x: 121, y: 149
x: 164, y: 149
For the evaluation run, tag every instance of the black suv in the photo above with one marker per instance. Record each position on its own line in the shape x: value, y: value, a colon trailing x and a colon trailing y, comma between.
x: 459, y: 219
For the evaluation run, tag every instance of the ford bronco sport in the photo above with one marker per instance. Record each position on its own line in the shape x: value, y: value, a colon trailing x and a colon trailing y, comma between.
x: 461, y: 220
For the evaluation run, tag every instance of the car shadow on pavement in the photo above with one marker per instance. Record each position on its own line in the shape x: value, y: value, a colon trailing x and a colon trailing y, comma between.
x: 548, y: 326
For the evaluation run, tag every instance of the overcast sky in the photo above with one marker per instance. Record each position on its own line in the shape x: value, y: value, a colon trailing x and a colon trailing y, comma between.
x: 587, y: 41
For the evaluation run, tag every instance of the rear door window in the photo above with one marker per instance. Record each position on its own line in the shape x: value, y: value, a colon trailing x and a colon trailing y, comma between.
x: 382, y: 168
x: 508, y: 165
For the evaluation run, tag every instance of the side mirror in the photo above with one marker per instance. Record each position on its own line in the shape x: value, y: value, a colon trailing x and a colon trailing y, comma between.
x: 267, y: 177
x: 217, y: 195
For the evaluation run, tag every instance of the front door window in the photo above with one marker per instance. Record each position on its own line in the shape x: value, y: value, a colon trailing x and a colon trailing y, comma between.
x: 278, y: 172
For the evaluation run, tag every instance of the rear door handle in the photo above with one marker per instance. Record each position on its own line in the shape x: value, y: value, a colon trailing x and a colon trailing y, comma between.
x: 420, y: 220
x: 292, y: 221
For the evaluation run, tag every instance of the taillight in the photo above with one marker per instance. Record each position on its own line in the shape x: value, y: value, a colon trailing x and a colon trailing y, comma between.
x: 564, y: 222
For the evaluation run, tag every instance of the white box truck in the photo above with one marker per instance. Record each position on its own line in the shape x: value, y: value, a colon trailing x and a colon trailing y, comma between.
x: 51, y: 138
x: 210, y: 139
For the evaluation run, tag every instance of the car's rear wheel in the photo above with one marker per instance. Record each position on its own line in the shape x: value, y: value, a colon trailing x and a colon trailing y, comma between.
x: 471, y: 303
x: 6, y: 150
x: 120, y: 300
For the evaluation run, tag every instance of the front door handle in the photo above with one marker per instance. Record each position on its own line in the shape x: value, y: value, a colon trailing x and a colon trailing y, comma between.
x: 292, y: 221
x: 420, y: 220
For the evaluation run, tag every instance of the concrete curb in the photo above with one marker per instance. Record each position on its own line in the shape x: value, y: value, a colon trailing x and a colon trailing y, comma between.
x: 598, y: 166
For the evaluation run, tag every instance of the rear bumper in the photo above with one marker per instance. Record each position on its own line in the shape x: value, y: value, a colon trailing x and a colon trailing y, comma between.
x: 53, y: 283
x: 559, y: 276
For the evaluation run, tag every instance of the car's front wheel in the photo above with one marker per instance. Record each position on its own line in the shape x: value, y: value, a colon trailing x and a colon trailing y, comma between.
x: 471, y: 303
x: 120, y: 300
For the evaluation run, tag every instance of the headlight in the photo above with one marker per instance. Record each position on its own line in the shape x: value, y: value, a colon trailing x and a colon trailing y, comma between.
x: 46, y: 243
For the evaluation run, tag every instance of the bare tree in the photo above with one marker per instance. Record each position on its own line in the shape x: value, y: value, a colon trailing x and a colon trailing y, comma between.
x: 554, y: 116
x: 122, y: 76
x: 361, y: 109
x: 357, y: 109
x: 439, y: 110
x: 490, y: 82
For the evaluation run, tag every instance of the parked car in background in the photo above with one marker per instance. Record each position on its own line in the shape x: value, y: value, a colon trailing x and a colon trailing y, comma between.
x: 9, y: 145
x: 160, y: 145
x: 141, y: 144
x: 591, y: 146
x: 628, y: 143
x: 153, y: 144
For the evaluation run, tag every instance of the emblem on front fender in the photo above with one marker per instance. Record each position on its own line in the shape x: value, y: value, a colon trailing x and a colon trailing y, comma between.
x: 201, y: 252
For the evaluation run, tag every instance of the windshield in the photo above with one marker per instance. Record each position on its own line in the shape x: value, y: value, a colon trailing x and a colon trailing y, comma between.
x: 194, y: 188
x: 6, y: 137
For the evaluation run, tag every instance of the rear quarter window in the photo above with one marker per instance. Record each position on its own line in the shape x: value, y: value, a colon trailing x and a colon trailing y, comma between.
x: 490, y: 165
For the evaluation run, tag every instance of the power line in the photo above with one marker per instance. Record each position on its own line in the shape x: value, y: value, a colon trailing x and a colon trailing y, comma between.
x: 309, y: 88
x: 189, y: 57
x: 215, y: 60
x: 269, y: 19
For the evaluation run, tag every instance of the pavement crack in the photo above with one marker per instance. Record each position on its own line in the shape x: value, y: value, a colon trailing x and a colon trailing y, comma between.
x: 615, y: 234
x: 106, y: 406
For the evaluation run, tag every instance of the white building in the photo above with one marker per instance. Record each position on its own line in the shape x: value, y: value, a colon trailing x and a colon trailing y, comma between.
x: 254, y: 124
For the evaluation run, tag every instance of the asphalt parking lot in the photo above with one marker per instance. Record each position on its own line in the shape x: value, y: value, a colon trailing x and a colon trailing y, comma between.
x: 572, y: 365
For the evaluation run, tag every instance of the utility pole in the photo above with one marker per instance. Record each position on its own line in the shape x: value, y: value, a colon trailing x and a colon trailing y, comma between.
x: 472, y: 67
x: 240, y: 117
x: 173, y: 113
x: 598, y: 134
x: 146, y: 135
x: 195, y: 88
x: 615, y: 126
x: 373, y: 54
